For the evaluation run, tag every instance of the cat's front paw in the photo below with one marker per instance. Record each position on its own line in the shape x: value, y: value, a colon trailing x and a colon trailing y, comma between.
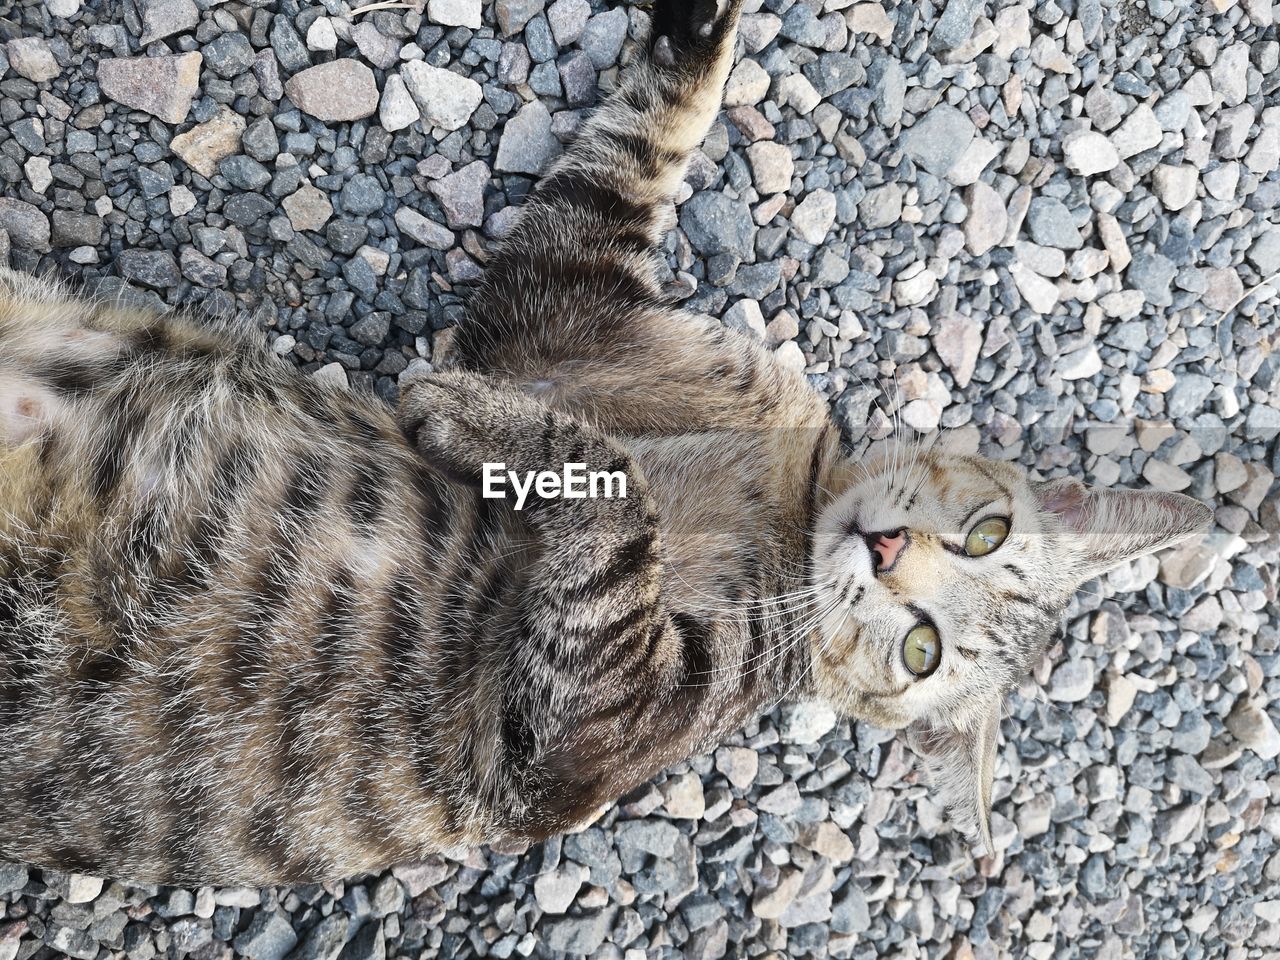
x: 684, y: 31
x: 447, y: 417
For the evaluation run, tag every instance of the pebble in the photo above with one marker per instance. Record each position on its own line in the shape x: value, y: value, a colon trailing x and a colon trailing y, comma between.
x: 461, y: 195
x: 938, y: 140
x: 987, y: 221
x: 455, y: 13
x: 205, y: 144
x: 25, y: 224
x: 806, y: 722
x: 164, y: 18
x: 1252, y: 726
x: 446, y: 99
x: 527, y: 144
x: 814, y: 216
x: 771, y: 167
x: 31, y: 57
x: 1089, y: 153
x: 340, y: 91
x: 307, y: 208
x: 1072, y: 681
x: 716, y: 224
x: 162, y: 86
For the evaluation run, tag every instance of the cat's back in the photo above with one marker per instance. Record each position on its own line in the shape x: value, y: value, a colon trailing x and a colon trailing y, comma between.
x: 218, y: 641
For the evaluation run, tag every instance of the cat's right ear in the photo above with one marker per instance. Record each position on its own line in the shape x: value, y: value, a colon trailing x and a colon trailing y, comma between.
x: 1108, y: 527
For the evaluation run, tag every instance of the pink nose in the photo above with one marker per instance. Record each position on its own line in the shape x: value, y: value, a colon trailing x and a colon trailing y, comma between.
x: 887, y: 547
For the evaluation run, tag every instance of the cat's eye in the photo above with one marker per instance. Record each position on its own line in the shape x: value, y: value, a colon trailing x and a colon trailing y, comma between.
x: 986, y: 537
x: 922, y: 649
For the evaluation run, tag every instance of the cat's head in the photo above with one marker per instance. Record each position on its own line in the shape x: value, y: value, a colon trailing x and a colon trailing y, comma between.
x: 942, y: 578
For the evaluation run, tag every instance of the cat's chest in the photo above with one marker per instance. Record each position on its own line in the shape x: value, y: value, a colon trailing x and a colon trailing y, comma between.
x: 727, y: 507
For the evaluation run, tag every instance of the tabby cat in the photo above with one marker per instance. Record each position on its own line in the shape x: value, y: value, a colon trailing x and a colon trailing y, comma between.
x: 255, y: 629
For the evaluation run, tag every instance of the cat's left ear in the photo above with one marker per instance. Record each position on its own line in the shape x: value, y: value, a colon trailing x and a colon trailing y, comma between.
x: 961, y: 762
x: 1108, y: 527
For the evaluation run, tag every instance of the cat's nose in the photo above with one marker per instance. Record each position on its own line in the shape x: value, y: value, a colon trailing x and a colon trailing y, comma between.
x: 887, y: 548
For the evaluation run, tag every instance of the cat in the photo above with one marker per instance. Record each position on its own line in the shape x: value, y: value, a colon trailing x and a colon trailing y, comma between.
x: 259, y: 630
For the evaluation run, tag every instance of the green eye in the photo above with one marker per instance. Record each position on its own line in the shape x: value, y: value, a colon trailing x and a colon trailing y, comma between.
x: 986, y: 537
x: 922, y: 649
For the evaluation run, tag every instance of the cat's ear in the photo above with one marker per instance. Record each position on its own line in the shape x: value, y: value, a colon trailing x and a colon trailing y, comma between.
x: 1108, y: 527
x: 961, y: 762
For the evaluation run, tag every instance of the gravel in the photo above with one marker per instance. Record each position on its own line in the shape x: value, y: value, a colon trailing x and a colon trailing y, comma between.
x: 1049, y: 223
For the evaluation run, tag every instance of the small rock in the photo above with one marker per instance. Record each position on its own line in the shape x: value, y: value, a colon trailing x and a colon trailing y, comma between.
x: 814, y: 216
x: 556, y: 889
x: 771, y: 167
x: 269, y: 936
x: 164, y: 18
x: 307, y: 208
x: 603, y: 36
x: 25, y: 225
x: 716, y: 224
x: 514, y: 15
x: 446, y: 99
x: 806, y: 722
x: 987, y: 220
x: 31, y: 57
x: 1175, y: 185
x: 151, y: 268
x: 82, y: 889
x: 321, y: 36
x: 455, y: 13
x: 1072, y: 681
x: 397, y: 109
x: 938, y: 140
x: 748, y: 84
x: 1088, y: 153
x: 339, y: 91
x: 229, y: 55
x: 957, y: 340
x: 461, y: 195
x: 204, y: 145
x: 161, y: 86
x: 424, y: 231
x: 527, y: 144
x: 738, y: 764
x: 1140, y: 131
x: 1254, y: 728
x: 1050, y: 223
x: 682, y: 797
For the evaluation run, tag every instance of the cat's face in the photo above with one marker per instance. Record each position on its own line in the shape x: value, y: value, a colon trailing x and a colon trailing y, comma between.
x: 941, y: 579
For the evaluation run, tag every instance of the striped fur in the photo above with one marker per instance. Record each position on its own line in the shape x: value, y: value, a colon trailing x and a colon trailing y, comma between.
x: 254, y: 630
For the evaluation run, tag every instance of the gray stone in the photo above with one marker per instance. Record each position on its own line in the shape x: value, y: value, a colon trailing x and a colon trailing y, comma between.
x: 288, y: 46
x: 455, y: 13
x: 422, y: 230
x: 362, y: 195
x: 1152, y: 274
x: 461, y: 195
x: 579, y: 936
x: 446, y: 99
x: 513, y: 15
x: 161, y: 86
x: 340, y: 91
x: 1188, y: 395
x: 1072, y: 681
x: 164, y: 18
x: 955, y: 26
x: 938, y: 140
x: 603, y: 35
x: 397, y: 109
x: 25, y: 224
x: 527, y: 144
x: 244, y: 172
x: 1050, y: 223
x: 151, y: 268
x: 30, y: 57
x: 229, y: 55
x: 269, y: 936
x: 716, y: 224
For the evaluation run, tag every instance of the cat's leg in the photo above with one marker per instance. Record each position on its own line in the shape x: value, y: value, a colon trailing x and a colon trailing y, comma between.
x: 570, y: 309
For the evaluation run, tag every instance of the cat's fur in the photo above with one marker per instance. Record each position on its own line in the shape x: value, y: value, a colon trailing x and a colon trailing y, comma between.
x: 256, y: 630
